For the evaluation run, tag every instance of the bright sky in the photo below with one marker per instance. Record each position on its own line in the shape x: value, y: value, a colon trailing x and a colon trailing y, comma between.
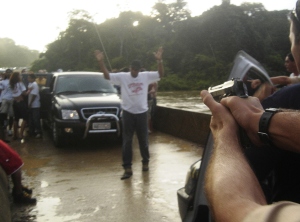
x: 36, y: 23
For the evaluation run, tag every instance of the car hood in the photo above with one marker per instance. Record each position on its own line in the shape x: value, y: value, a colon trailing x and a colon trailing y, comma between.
x: 87, y: 100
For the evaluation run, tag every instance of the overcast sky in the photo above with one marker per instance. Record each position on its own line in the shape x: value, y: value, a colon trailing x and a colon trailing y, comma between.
x: 36, y: 23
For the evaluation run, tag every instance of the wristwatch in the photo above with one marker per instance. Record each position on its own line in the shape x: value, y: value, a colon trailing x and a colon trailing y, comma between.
x: 264, y: 123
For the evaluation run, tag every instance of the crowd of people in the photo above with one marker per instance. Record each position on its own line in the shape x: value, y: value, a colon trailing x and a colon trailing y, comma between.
x: 19, y: 102
x: 15, y: 106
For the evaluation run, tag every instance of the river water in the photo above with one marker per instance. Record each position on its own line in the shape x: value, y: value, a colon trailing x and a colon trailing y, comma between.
x: 185, y: 100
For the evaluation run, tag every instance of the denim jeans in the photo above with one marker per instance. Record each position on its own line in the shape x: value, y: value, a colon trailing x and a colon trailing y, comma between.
x: 134, y: 123
x: 34, y: 121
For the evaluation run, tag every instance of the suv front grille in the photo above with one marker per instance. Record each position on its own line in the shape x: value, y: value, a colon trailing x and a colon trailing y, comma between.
x: 87, y: 112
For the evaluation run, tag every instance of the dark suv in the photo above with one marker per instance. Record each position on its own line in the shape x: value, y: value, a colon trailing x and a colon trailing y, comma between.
x: 80, y: 104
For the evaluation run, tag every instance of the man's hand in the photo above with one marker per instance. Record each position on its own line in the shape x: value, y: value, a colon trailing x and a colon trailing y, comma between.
x: 228, y: 177
x: 158, y: 54
x: 99, y: 55
x: 222, y: 124
x: 255, y: 83
x: 264, y: 91
x: 247, y: 113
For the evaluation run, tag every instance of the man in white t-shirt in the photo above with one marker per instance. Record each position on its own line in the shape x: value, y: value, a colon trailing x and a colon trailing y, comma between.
x: 34, y: 107
x: 134, y: 92
x: 291, y: 66
x: 6, y: 109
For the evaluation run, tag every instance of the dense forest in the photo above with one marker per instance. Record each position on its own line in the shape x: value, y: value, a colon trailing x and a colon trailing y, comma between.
x: 12, y: 55
x: 198, y: 51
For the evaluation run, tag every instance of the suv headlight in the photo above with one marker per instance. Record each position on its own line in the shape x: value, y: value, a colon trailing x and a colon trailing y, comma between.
x: 192, y: 178
x: 69, y: 114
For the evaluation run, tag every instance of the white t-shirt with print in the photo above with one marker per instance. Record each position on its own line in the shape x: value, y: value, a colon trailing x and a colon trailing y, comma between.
x: 19, y: 88
x: 6, y: 93
x: 34, y: 91
x: 134, y: 91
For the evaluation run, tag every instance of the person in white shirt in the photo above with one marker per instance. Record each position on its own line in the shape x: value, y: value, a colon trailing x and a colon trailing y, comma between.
x: 6, y: 108
x: 265, y: 90
x: 291, y: 66
x: 34, y: 105
x: 134, y: 93
x: 19, y: 104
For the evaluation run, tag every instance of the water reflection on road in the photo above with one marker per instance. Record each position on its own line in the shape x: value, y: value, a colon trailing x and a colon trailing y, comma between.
x: 186, y: 100
x: 81, y: 182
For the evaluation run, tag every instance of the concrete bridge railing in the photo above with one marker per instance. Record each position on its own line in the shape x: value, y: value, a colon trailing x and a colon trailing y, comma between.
x: 188, y: 125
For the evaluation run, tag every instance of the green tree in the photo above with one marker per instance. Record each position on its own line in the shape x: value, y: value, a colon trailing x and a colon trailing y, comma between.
x: 199, y: 51
x: 12, y: 55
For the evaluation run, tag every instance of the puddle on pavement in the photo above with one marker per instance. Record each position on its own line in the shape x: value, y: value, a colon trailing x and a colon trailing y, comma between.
x: 44, y: 184
x: 32, y: 165
x: 46, y: 209
x: 178, y: 145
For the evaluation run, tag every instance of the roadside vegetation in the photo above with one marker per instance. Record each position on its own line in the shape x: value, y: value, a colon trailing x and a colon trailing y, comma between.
x: 198, y: 51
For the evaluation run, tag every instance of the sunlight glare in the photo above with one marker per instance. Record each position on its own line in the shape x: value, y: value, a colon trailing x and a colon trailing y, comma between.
x: 135, y: 23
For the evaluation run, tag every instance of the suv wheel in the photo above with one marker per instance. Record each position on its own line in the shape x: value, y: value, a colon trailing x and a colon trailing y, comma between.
x: 57, y: 137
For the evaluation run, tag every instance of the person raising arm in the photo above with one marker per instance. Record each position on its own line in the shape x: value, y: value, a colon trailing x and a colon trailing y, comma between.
x: 134, y: 93
x: 158, y: 56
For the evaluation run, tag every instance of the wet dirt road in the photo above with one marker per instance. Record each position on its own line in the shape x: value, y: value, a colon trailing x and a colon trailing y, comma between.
x: 81, y: 183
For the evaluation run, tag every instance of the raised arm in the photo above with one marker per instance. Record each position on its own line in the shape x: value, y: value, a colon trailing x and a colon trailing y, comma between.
x: 230, y: 183
x: 158, y: 57
x: 100, y: 58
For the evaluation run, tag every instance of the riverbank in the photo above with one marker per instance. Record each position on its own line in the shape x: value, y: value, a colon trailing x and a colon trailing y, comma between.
x: 183, y: 100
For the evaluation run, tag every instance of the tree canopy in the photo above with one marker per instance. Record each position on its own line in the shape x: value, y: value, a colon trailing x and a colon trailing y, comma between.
x: 12, y: 55
x: 198, y: 51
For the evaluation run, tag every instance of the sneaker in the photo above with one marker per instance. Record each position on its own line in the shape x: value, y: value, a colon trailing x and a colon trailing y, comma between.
x: 127, y: 174
x: 38, y: 136
x: 145, y: 167
x: 24, y: 198
x: 24, y: 189
x: 27, y: 190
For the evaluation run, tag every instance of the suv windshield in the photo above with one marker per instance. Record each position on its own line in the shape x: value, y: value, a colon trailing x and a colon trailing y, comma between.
x: 83, y: 84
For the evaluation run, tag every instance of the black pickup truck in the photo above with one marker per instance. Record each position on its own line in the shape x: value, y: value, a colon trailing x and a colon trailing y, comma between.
x: 78, y: 105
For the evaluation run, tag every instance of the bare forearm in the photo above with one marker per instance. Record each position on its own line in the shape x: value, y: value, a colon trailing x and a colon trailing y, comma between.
x: 281, y: 80
x: 230, y: 182
x: 160, y: 68
x: 104, y: 69
x: 283, y: 130
x: 31, y: 101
